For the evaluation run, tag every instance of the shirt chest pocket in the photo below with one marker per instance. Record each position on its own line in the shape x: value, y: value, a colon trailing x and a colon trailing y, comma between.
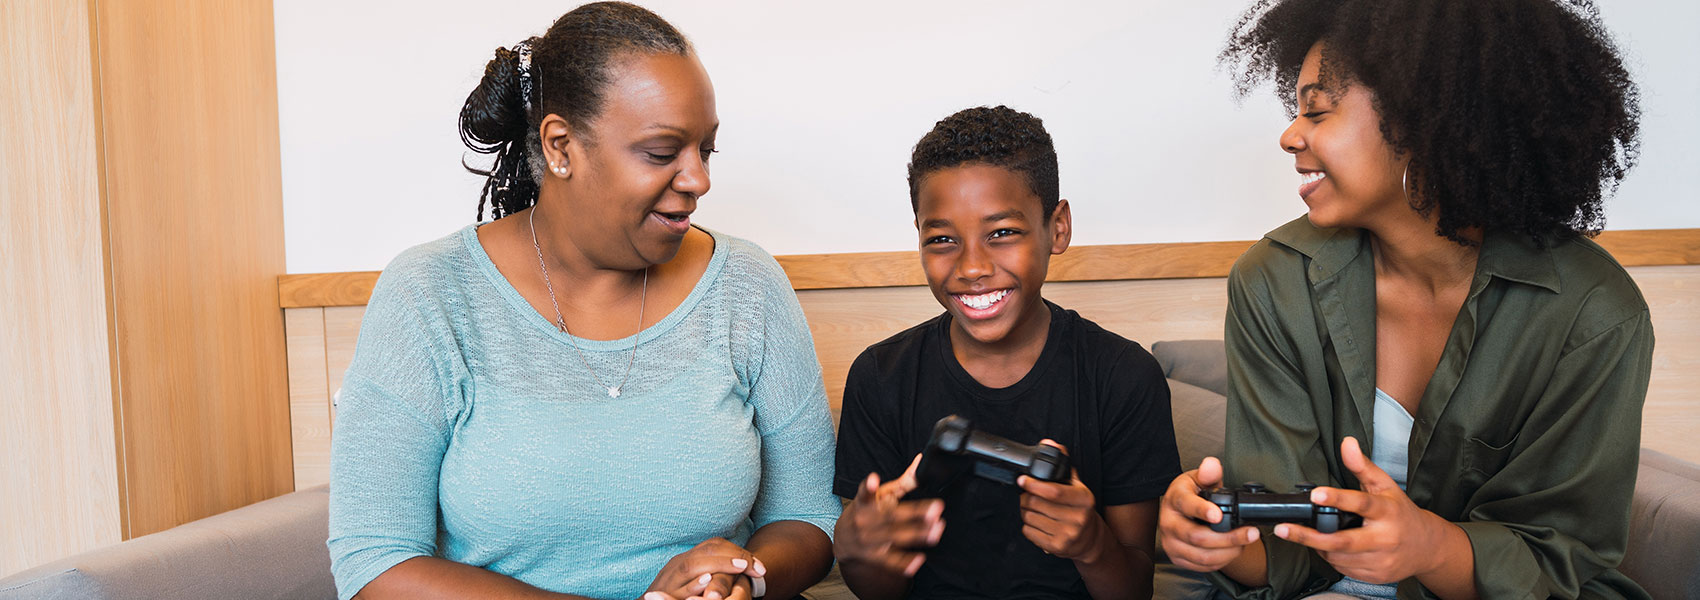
x: 1482, y: 458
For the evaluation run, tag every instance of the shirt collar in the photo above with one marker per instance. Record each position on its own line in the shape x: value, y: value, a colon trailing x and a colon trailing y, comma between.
x: 1330, y: 250
x: 1514, y: 257
x: 1508, y: 256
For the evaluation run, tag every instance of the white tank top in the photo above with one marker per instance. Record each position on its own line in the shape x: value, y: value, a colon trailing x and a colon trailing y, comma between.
x: 1391, y: 451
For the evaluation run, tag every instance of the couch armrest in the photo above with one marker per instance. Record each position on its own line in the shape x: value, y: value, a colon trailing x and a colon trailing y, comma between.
x: 1664, y: 527
x: 270, y: 549
x: 1203, y: 363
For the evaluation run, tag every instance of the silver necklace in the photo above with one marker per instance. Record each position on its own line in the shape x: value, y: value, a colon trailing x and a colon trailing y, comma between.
x: 561, y: 322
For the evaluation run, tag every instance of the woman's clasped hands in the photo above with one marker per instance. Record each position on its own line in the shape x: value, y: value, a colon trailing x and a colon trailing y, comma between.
x: 713, y: 570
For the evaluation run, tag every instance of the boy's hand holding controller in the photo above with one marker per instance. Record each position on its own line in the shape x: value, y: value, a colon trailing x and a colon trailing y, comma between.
x: 1061, y: 519
x: 879, y: 529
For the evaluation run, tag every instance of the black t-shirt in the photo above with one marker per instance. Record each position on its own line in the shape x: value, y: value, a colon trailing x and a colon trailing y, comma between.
x: 1097, y: 393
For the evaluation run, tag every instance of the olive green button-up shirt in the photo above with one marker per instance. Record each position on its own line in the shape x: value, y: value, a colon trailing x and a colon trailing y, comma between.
x: 1527, y: 436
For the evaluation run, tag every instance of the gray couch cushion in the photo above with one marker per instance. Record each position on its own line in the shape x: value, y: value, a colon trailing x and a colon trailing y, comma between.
x: 1664, y: 527
x: 1203, y: 363
x: 271, y: 549
x: 1200, y: 422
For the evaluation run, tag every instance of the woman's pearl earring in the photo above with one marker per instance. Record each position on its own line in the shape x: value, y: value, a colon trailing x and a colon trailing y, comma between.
x: 560, y: 170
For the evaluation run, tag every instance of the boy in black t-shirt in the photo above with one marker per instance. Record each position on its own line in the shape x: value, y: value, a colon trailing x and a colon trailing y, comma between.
x: 983, y: 184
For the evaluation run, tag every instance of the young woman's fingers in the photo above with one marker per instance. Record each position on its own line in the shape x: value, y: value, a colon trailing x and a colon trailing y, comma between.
x: 1209, y: 473
x: 1204, y: 537
x: 1351, y: 540
x: 1368, y: 506
x: 1182, y: 497
x: 1201, y: 559
x: 1370, y: 477
x: 1196, y: 507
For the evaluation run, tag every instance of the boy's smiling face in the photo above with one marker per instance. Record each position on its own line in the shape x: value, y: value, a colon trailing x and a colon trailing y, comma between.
x: 985, y: 247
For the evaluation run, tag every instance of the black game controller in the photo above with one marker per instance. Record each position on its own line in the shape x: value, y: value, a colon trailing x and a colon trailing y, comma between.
x: 1253, y: 504
x: 956, y: 448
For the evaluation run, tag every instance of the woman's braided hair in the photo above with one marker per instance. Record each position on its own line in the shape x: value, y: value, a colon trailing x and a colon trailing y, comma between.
x: 569, y: 69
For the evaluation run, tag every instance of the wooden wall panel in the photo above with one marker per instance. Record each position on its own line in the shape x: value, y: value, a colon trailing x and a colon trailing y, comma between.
x: 846, y: 321
x: 309, y: 395
x: 59, y: 474
x: 342, y: 328
x: 189, y: 106
x: 1670, y: 422
x: 325, y: 346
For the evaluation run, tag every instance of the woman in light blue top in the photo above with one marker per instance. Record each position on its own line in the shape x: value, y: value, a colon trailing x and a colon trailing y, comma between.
x: 587, y: 396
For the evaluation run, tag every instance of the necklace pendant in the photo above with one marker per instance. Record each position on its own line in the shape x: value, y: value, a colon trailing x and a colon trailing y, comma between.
x: 613, y: 391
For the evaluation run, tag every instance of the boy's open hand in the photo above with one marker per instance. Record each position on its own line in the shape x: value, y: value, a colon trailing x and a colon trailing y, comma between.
x: 1060, y: 519
x: 878, y: 528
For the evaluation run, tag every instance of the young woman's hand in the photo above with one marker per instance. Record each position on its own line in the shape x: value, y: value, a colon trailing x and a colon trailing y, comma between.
x: 1191, y: 544
x: 879, y: 529
x: 1061, y: 519
x: 1397, y: 540
x: 711, y: 570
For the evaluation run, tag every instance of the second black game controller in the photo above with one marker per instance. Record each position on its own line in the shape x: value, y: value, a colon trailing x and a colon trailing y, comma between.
x: 1254, y: 504
x: 956, y: 448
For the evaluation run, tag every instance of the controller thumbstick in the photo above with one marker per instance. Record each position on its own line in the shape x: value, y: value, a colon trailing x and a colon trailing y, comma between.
x: 1255, y: 487
x: 1306, y: 486
x: 951, y: 434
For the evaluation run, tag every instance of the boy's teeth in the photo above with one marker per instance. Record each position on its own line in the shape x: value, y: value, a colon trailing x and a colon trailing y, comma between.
x: 1305, y: 178
x: 983, y: 301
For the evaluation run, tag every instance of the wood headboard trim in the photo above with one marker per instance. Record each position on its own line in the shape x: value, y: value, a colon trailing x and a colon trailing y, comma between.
x: 1632, y: 248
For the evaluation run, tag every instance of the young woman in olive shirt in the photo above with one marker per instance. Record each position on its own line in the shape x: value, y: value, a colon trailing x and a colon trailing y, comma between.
x: 1437, y: 343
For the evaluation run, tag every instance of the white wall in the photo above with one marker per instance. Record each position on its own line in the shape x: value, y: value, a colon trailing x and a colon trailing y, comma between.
x: 820, y: 104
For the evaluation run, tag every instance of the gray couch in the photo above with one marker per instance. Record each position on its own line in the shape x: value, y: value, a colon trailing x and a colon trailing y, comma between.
x: 276, y: 548
x: 267, y: 550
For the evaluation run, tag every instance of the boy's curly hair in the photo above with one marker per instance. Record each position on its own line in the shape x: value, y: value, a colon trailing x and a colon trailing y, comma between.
x: 1517, y: 115
x: 999, y: 136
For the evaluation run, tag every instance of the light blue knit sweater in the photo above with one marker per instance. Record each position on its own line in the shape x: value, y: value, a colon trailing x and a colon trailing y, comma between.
x: 468, y: 429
